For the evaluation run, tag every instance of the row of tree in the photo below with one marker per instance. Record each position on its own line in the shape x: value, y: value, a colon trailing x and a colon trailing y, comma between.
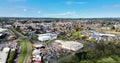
x: 100, y: 51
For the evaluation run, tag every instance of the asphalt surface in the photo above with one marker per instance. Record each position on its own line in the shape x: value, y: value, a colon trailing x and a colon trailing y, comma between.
x: 26, y: 60
x: 20, y: 48
x: 20, y: 52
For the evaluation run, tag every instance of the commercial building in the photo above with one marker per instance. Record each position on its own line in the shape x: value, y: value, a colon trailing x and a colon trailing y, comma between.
x: 4, y: 55
x: 47, y: 36
x: 97, y: 35
x: 70, y: 45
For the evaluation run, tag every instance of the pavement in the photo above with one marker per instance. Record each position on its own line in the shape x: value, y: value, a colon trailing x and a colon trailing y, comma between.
x: 26, y: 60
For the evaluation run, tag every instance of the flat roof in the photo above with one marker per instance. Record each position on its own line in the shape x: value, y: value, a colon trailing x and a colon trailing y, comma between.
x: 71, y: 45
x: 2, y: 29
x: 4, y: 55
x: 37, y: 45
x: 47, y: 36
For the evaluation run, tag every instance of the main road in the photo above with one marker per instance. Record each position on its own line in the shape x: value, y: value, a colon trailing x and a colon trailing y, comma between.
x: 27, y: 57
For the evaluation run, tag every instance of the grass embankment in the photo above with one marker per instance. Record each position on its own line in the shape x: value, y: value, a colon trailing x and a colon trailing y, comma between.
x: 31, y: 44
x: 19, y: 42
x: 11, y: 57
x: 21, y: 60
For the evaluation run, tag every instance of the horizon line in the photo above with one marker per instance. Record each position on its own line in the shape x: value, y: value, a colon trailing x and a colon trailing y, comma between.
x: 60, y: 18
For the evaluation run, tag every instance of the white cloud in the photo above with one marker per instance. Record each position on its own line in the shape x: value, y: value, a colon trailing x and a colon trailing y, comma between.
x: 15, y: 0
x: 24, y: 10
x: 39, y: 12
x: 70, y: 2
x: 24, y: 7
x: 62, y: 14
x: 112, y: 6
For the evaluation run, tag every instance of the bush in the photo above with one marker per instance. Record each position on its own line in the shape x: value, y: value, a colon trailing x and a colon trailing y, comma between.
x: 19, y: 43
x: 94, y: 41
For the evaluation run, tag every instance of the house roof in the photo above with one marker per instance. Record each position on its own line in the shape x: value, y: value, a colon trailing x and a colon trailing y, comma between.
x: 36, y: 51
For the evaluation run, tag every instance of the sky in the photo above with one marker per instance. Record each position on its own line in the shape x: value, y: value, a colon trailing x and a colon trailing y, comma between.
x: 60, y: 8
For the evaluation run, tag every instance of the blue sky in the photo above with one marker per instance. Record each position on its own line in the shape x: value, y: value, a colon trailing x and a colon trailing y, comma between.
x: 60, y: 8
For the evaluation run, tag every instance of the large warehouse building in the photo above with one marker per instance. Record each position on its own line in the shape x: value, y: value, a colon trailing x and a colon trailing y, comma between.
x: 70, y: 45
x: 47, y: 36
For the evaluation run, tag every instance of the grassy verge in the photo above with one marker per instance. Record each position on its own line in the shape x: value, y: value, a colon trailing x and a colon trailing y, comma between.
x: 11, y: 57
x: 21, y: 60
x: 31, y: 44
x: 19, y: 43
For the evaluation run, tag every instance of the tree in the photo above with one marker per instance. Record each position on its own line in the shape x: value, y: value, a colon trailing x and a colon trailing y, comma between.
x: 112, y: 28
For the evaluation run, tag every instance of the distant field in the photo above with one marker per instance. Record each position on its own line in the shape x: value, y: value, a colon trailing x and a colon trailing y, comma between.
x: 109, y: 31
x: 114, y: 32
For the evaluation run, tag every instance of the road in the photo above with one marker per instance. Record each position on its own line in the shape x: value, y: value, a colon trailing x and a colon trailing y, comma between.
x: 27, y: 57
x: 20, y: 48
x: 20, y: 52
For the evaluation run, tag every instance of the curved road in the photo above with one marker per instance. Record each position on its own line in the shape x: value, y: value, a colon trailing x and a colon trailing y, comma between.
x: 27, y: 57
